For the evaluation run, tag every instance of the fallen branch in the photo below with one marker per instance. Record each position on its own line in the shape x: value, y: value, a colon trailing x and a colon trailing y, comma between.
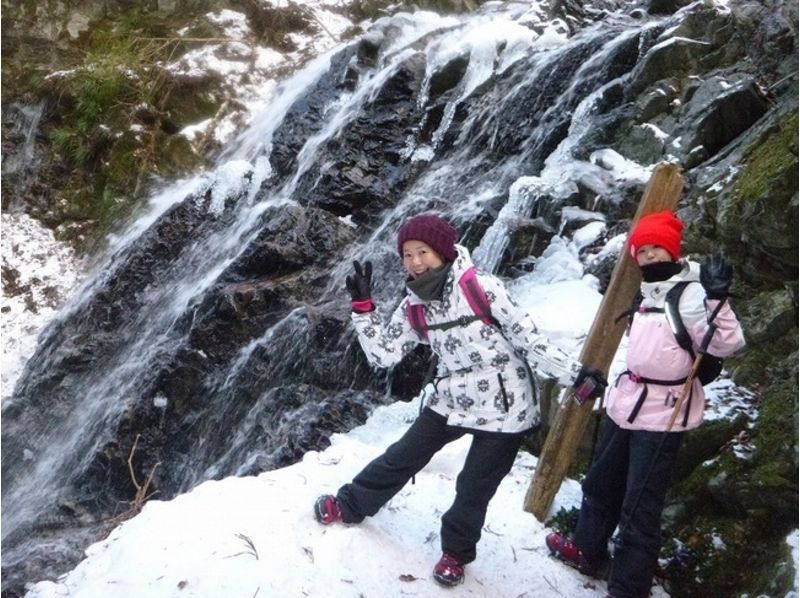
x: 141, y: 495
x: 141, y: 490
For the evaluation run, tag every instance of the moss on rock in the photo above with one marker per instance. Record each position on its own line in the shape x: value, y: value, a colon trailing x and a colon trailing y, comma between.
x: 705, y: 443
x: 731, y: 515
x: 765, y: 185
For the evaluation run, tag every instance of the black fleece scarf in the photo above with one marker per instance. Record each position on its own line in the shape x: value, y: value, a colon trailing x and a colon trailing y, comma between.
x: 659, y: 271
x: 430, y: 286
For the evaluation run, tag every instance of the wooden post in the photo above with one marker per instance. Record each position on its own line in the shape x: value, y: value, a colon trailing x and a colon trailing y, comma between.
x: 662, y: 193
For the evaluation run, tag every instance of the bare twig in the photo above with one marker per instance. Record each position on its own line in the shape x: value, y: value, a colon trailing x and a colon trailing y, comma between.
x: 550, y: 583
x: 251, y: 548
x: 141, y: 496
x: 779, y: 81
x: 183, y: 39
x: 314, y: 17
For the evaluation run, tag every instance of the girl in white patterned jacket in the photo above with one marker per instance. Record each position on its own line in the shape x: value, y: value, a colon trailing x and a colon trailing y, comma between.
x: 483, y: 385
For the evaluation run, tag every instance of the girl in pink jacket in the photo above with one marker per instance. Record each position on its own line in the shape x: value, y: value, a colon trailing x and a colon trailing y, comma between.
x: 628, y: 481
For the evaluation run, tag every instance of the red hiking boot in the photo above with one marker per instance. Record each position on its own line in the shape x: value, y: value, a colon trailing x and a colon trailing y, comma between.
x: 449, y: 571
x: 565, y: 550
x: 327, y: 509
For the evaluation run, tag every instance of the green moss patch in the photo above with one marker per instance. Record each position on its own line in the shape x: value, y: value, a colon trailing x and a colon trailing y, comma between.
x: 769, y: 163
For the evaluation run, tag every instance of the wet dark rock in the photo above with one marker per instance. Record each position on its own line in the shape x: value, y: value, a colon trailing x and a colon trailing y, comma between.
x: 305, y: 117
x: 769, y: 33
x: 292, y: 421
x: 643, y: 144
x: 707, y: 22
x: 713, y: 123
x: 369, y: 46
x: 664, y: 7
x: 61, y: 549
x: 362, y: 170
x: 527, y: 237
x: 447, y: 77
x: 654, y: 103
x: 705, y: 444
x: 529, y: 122
x: 289, y: 240
x: 674, y: 57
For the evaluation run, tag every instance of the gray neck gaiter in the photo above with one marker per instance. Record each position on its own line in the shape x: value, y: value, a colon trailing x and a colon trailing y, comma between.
x: 430, y: 286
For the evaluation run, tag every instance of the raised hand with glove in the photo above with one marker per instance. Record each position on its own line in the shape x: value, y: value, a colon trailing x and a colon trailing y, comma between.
x: 590, y: 383
x: 716, y: 275
x: 360, y: 287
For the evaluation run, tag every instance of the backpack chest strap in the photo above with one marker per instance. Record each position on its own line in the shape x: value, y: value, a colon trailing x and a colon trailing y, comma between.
x: 461, y: 321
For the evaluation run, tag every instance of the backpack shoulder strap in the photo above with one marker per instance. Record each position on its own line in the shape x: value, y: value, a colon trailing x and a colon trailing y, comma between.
x: 415, y: 313
x: 635, y: 305
x: 476, y: 296
x: 673, y: 314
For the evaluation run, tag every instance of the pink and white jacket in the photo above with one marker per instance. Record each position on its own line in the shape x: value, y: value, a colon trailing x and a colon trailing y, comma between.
x: 654, y: 353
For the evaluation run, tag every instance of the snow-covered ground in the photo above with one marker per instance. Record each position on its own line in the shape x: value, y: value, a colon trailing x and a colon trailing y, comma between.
x: 39, y: 273
x: 257, y: 536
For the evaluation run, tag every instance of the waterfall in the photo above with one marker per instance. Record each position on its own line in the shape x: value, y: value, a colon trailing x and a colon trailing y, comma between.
x: 216, y: 325
x: 25, y: 126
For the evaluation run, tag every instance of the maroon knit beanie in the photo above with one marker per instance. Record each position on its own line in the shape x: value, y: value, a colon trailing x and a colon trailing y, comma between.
x: 660, y: 228
x: 430, y: 229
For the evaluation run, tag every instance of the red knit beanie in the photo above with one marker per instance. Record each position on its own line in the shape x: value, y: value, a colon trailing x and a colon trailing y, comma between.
x: 660, y: 228
x: 430, y: 229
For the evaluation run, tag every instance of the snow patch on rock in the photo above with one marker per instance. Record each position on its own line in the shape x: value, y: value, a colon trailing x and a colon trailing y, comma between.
x: 39, y: 274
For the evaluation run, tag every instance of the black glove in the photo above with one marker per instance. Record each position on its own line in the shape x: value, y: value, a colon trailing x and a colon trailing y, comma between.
x: 360, y: 284
x: 716, y: 274
x: 589, y: 384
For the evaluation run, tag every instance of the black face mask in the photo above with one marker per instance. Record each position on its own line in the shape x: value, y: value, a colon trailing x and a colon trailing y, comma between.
x: 659, y: 271
x: 430, y: 286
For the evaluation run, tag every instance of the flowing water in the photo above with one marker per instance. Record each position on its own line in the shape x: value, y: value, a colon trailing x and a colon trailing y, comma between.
x: 24, y: 126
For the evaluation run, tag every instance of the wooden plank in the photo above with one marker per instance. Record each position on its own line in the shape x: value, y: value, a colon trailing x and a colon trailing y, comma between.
x: 662, y: 193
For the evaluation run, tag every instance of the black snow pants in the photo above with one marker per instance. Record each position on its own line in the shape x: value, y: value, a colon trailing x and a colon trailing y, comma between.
x: 489, y: 459
x: 631, y: 466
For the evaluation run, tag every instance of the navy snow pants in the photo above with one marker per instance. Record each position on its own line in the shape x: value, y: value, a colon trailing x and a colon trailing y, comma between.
x: 489, y: 459
x: 629, y: 463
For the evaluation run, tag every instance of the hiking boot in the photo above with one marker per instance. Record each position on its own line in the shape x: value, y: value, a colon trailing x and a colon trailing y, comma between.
x: 565, y: 550
x: 327, y: 509
x: 449, y: 571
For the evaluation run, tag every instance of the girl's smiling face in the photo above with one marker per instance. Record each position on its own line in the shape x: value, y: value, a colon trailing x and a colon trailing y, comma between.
x: 419, y: 258
x: 651, y: 254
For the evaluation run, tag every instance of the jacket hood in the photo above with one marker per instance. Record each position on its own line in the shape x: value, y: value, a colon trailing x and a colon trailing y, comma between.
x: 462, y: 263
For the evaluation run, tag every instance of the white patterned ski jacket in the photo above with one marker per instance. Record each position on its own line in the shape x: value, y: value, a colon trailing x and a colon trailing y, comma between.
x: 654, y: 353
x: 483, y: 380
